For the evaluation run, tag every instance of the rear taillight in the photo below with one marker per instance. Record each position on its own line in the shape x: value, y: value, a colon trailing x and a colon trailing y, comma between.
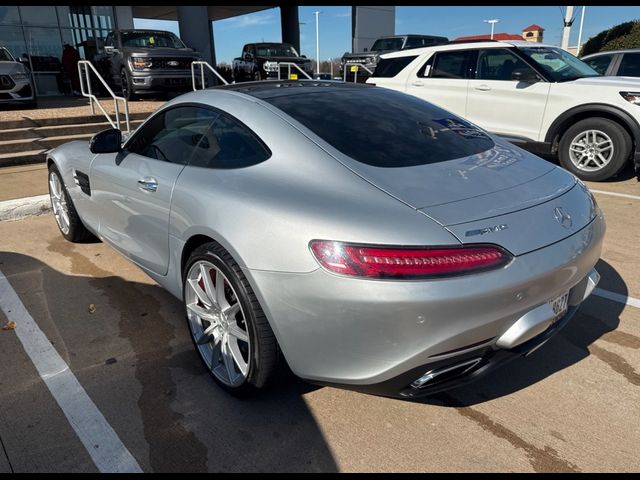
x: 395, y: 262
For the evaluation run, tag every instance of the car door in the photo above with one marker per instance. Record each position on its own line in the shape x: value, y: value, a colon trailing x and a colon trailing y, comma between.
x: 504, y: 106
x: 133, y: 188
x: 443, y: 80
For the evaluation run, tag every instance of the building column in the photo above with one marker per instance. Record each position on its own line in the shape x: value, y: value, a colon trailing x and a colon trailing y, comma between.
x: 370, y: 23
x: 196, y: 31
x: 290, y: 25
x: 124, y: 17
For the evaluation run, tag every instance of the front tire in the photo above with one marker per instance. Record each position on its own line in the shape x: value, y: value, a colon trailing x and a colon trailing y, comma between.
x: 227, y: 324
x: 127, y: 91
x: 67, y: 218
x: 595, y: 149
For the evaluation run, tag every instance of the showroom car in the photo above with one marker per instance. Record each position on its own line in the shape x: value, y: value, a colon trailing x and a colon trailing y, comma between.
x: 363, y: 237
x: 537, y: 96
x: 16, y: 85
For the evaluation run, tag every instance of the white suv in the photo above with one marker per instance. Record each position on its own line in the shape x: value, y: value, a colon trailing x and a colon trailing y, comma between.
x: 537, y: 96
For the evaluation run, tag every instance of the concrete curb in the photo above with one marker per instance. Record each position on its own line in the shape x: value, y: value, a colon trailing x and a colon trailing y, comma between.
x: 24, y: 207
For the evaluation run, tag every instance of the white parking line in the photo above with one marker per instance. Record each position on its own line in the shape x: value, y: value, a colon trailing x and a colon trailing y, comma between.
x: 613, y: 194
x: 616, y: 297
x: 101, y: 441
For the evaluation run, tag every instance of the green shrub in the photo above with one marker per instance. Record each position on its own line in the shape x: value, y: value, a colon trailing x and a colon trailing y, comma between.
x: 623, y: 36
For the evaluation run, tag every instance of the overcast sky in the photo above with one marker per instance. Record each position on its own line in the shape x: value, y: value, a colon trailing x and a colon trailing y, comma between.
x: 335, y: 25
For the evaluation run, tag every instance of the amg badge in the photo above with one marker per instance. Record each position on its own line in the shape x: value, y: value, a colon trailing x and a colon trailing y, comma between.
x: 483, y: 231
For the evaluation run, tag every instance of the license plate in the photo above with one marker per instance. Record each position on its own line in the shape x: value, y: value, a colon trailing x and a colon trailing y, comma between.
x: 560, y: 305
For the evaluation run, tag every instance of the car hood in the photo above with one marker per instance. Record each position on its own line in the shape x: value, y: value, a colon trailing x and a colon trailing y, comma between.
x: 615, y: 82
x: 486, y: 191
x: 161, y: 52
x: 8, y: 68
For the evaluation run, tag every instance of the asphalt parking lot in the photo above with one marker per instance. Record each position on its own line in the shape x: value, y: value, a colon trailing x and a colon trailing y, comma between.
x: 573, y: 405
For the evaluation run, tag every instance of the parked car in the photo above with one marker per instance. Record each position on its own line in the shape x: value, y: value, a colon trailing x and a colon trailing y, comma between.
x: 16, y: 83
x: 620, y: 63
x: 537, y: 96
x: 292, y: 228
x: 259, y: 61
x: 392, y: 43
x: 139, y: 62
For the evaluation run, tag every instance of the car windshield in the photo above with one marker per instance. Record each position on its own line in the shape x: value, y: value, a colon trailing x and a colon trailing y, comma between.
x: 149, y: 39
x: 559, y: 64
x: 387, y: 44
x: 382, y: 127
x: 5, y: 56
x: 276, y: 51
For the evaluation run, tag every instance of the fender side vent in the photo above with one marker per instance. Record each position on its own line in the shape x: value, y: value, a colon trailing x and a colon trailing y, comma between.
x: 82, y: 180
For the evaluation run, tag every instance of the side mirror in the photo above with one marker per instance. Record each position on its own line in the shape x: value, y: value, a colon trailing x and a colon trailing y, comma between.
x: 247, y: 56
x: 110, y: 49
x: 303, y: 56
x: 524, y: 75
x: 106, y: 141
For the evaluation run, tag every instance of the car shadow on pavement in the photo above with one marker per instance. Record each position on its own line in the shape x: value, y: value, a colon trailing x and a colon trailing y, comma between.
x: 148, y: 381
x: 595, y: 318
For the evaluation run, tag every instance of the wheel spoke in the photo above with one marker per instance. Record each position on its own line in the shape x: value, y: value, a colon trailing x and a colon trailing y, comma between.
x: 604, y: 160
x: 208, y: 284
x: 201, y: 294
x: 227, y: 359
x: 200, y: 312
x: 220, y: 298
x: 230, y: 312
x: 206, y: 336
x: 216, y: 352
x: 236, y: 332
x: 232, y: 347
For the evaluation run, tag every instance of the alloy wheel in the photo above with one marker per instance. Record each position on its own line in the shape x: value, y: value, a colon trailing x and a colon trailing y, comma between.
x: 591, y: 150
x: 217, y: 323
x: 59, y: 203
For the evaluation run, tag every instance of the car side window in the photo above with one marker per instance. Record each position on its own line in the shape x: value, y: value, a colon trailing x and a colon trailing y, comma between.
x: 173, y: 135
x: 498, y: 64
x: 414, y: 42
x: 453, y: 65
x: 229, y: 144
x: 630, y: 65
x: 600, y: 64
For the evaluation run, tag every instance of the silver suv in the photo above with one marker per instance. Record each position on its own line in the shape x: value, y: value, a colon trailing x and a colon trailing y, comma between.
x: 16, y: 85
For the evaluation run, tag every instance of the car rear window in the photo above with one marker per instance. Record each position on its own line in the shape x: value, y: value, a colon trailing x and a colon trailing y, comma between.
x: 390, y: 67
x: 382, y: 127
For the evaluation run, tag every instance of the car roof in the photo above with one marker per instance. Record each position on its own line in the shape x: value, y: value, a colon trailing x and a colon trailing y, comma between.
x: 610, y: 52
x: 277, y: 88
x: 466, y: 46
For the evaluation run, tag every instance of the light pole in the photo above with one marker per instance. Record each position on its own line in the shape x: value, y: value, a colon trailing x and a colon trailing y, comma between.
x: 493, y: 24
x: 317, y: 14
x: 580, y: 32
x: 566, y: 31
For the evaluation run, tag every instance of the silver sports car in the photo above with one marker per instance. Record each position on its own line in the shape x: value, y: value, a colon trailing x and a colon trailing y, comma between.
x: 365, y: 237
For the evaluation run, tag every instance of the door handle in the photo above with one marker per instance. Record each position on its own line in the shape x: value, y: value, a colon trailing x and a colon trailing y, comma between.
x: 483, y: 88
x: 148, y: 184
x: 417, y: 83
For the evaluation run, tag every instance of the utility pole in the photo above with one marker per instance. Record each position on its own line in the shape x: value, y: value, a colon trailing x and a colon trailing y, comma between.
x: 317, y: 42
x: 493, y: 24
x: 580, y: 31
x: 566, y: 32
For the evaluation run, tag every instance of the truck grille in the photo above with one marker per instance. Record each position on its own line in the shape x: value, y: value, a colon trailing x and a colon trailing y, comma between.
x: 171, y: 63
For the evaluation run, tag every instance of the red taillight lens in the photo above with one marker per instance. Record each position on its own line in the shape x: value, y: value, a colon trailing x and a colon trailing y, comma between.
x: 394, y: 262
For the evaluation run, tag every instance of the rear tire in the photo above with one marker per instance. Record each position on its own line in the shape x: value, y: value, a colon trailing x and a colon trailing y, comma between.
x: 260, y: 356
x: 67, y: 218
x: 595, y: 149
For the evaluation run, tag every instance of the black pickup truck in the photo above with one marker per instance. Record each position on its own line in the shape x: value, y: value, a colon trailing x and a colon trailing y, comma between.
x: 394, y: 43
x: 145, y: 61
x: 260, y: 61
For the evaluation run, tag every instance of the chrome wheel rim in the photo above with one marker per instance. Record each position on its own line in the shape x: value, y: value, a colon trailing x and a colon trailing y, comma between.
x: 59, y: 203
x: 217, y: 323
x: 591, y: 150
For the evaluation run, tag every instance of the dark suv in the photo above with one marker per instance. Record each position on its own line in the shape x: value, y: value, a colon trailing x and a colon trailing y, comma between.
x: 146, y: 61
x: 382, y: 45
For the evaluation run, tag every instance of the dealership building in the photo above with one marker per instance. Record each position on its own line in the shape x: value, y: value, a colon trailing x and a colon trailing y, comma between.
x: 38, y: 33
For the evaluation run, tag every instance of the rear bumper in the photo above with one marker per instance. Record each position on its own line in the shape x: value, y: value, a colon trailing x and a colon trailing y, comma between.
x: 381, y: 335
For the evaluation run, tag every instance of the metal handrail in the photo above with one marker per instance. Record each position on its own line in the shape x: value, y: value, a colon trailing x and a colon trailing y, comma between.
x: 355, y: 76
x: 92, y: 98
x: 202, y: 79
x: 289, y: 65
